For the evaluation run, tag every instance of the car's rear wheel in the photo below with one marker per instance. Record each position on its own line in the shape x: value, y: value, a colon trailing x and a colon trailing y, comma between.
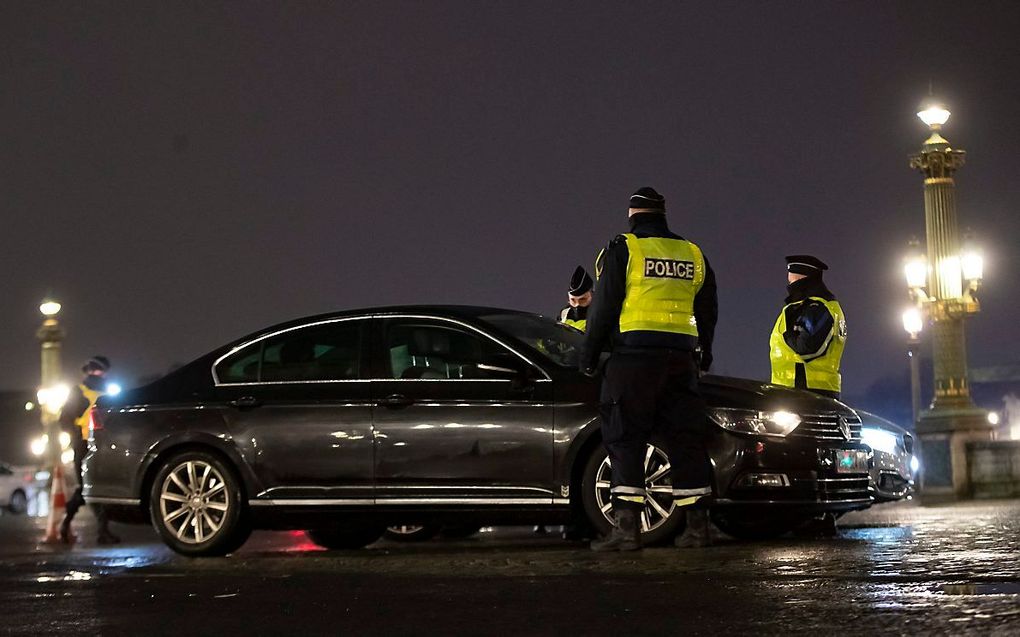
x: 345, y: 538
x: 18, y: 503
x: 197, y: 505
x: 411, y: 533
x: 661, y: 520
x: 745, y: 526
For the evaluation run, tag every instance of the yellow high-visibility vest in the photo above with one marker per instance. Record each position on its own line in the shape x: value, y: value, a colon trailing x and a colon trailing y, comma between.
x: 663, y: 277
x: 821, y: 368
x: 91, y: 395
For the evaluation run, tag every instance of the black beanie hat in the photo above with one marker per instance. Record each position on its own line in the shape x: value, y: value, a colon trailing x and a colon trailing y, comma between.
x: 96, y: 363
x: 580, y: 282
x: 647, y: 198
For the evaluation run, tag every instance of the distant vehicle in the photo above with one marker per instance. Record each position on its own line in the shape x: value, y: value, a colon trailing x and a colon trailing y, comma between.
x: 894, y: 467
x: 18, y: 487
x: 344, y: 424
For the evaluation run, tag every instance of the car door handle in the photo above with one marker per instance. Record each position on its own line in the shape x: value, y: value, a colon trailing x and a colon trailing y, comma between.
x: 245, y: 402
x: 396, y: 401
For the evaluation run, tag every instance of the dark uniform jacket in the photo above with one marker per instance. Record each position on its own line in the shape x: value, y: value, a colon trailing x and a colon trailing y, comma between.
x: 604, y: 312
x: 807, y: 324
x: 77, y: 403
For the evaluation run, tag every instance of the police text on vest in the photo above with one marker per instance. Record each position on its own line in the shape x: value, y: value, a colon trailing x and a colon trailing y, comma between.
x: 669, y: 269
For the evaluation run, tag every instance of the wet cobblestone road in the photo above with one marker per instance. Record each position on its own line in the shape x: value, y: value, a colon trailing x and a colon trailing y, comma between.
x: 899, y: 569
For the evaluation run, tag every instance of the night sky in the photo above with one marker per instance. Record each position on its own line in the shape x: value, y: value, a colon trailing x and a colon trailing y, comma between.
x: 184, y: 173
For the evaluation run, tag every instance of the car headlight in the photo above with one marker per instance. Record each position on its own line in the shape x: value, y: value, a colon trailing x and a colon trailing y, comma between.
x: 879, y: 439
x: 749, y: 421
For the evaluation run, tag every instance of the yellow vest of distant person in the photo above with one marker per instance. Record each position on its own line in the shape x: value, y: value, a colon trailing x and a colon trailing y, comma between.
x: 82, y: 421
x: 663, y: 277
x: 821, y: 371
x: 577, y: 325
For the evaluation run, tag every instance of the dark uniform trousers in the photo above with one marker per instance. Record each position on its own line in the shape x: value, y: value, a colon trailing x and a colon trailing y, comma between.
x: 75, y: 502
x: 646, y: 393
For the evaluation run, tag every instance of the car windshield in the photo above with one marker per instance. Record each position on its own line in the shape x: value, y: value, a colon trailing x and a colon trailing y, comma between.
x: 557, y: 342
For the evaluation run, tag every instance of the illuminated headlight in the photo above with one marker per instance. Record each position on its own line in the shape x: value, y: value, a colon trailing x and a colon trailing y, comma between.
x: 749, y: 421
x: 915, y: 464
x: 879, y: 439
x: 113, y: 389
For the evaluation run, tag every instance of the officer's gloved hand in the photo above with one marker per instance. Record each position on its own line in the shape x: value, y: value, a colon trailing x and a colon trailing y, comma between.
x: 706, y: 362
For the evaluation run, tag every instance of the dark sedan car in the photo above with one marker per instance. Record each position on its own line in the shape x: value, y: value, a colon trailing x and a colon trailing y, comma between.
x: 345, y: 423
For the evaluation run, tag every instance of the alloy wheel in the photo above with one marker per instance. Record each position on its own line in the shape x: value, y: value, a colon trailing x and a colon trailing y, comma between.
x: 193, y: 501
x: 659, y: 504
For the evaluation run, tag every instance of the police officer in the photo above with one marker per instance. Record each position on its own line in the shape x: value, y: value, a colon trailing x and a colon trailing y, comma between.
x: 808, y: 339
x: 655, y: 306
x: 74, y: 417
x: 579, y: 297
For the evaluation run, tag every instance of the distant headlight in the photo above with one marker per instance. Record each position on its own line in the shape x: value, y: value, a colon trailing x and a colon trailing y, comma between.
x: 749, y: 421
x: 879, y: 439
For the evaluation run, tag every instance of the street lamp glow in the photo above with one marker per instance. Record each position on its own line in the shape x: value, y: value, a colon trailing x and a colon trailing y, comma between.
x: 49, y: 308
x: 972, y: 262
x: 916, y: 271
x: 52, y: 399
x: 934, y: 116
x: 913, y: 323
x: 38, y: 445
x: 993, y: 418
x: 113, y: 389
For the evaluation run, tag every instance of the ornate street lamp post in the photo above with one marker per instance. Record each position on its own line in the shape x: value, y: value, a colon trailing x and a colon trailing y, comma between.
x: 952, y: 277
x: 52, y: 394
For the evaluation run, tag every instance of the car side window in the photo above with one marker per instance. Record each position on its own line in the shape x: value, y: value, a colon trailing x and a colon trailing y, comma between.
x: 426, y: 351
x: 327, y: 352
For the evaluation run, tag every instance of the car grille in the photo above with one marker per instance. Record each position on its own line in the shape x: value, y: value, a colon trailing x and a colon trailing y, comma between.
x: 825, y: 426
x: 839, y: 489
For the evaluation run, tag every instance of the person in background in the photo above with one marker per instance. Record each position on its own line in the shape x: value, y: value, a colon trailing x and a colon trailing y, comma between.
x: 74, y: 418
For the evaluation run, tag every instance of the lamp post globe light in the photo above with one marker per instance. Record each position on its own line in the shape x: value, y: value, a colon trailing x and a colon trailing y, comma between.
x: 51, y: 393
x: 942, y: 281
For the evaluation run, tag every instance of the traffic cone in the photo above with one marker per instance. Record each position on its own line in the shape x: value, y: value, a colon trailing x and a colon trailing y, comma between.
x: 58, y: 507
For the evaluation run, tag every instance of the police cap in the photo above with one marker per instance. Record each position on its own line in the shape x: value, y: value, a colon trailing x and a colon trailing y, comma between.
x: 805, y: 264
x: 580, y: 282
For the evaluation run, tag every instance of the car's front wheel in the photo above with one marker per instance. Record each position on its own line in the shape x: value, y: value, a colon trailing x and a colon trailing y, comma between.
x: 197, y: 505
x: 345, y: 538
x: 18, y: 503
x: 661, y: 520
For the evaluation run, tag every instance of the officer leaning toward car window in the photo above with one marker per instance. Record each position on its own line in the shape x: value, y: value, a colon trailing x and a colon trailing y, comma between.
x: 655, y: 305
x: 808, y: 339
x: 74, y: 418
x: 579, y: 296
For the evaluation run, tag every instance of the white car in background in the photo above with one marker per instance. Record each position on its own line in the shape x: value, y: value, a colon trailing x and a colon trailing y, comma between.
x: 892, y: 476
x: 18, y: 487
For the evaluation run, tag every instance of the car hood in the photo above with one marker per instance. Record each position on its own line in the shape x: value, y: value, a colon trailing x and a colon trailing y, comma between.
x: 726, y: 391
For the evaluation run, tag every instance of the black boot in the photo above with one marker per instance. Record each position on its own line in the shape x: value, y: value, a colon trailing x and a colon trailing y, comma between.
x: 624, y: 536
x: 66, y: 535
x: 698, y: 533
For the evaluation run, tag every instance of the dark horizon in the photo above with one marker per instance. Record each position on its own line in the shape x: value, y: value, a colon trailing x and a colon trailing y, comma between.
x: 179, y: 176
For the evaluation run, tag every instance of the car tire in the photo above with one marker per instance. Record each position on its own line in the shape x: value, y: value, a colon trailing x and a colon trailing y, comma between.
x: 410, y: 533
x: 197, y: 505
x: 753, y: 527
x: 345, y: 538
x: 460, y: 531
x: 655, y: 528
x: 18, y: 503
